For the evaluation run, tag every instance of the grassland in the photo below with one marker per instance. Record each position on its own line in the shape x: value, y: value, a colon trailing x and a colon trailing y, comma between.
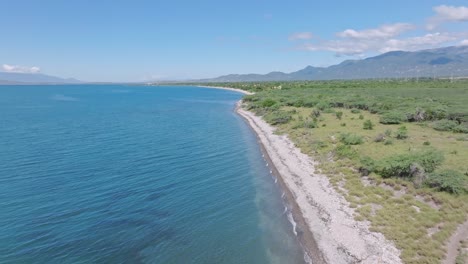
x: 396, y: 150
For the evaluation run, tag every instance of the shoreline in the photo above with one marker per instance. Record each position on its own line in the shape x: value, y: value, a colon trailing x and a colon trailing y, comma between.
x: 303, y: 233
x: 326, y: 227
x: 225, y: 88
x: 325, y: 224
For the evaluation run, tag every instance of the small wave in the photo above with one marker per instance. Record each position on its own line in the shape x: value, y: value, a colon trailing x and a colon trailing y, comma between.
x: 266, y: 164
x: 282, y: 195
x: 276, y: 180
x: 291, y: 220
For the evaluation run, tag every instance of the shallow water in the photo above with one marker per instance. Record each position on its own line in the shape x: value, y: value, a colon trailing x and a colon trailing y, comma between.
x: 135, y: 174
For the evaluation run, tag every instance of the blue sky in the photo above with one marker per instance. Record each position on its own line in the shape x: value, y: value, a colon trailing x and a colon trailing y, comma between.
x: 142, y: 40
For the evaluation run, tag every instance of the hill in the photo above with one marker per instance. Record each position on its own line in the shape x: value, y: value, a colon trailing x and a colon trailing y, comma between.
x: 33, y: 78
x: 440, y: 62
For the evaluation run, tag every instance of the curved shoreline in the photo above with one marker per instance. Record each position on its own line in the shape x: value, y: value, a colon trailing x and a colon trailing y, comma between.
x: 326, y: 228
x: 329, y: 233
x: 225, y: 88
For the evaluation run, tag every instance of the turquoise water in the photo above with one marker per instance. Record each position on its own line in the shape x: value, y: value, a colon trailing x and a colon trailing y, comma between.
x: 135, y: 174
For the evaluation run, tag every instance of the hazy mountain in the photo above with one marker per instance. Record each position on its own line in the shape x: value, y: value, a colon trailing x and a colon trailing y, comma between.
x: 32, y: 78
x: 441, y: 62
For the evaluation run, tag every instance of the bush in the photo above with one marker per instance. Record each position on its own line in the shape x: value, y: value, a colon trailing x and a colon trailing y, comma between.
x: 403, y: 165
x: 351, y: 139
x: 449, y: 181
x: 322, y: 106
x: 388, y: 142
x: 268, y: 103
x: 361, y: 117
x: 393, y: 118
x: 388, y: 132
x: 402, y: 133
x: 444, y: 125
x: 315, y: 113
x: 345, y: 151
x: 278, y: 117
x: 368, y: 125
x: 427, y: 143
x: 461, y: 129
x: 339, y: 115
x: 355, y: 111
x: 343, y: 124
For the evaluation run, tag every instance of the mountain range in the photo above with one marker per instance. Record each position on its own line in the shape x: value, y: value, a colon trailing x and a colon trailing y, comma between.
x: 33, y: 78
x: 440, y: 62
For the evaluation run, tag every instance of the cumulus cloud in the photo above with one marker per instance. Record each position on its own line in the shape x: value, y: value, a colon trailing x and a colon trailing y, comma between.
x: 445, y: 13
x: 414, y: 43
x: 464, y: 42
x: 20, y: 69
x: 353, y: 46
x: 301, y: 36
x: 384, y: 31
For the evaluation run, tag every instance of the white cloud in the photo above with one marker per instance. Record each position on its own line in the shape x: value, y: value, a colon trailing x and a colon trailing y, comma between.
x: 415, y: 43
x: 447, y: 14
x: 301, y: 36
x: 464, y: 42
x: 384, y: 31
x: 452, y: 13
x: 353, y: 46
x: 20, y: 69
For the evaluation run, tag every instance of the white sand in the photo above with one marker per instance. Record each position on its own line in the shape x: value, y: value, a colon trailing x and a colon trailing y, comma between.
x: 227, y: 88
x: 339, y: 238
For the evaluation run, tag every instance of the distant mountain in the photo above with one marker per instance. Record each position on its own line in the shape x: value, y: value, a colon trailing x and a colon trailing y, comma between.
x: 33, y: 78
x: 441, y: 62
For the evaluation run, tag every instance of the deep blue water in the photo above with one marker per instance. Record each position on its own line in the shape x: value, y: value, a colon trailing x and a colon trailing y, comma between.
x: 135, y: 174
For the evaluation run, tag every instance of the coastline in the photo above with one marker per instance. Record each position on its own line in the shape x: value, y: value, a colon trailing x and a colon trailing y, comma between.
x: 325, y: 224
x: 225, y: 88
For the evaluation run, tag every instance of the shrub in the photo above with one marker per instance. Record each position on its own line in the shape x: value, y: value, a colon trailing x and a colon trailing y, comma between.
x: 315, y: 113
x: 449, y: 181
x: 393, y: 118
x: 444, y: 125
x: 305, y: 124
x: 461, y: 129
x: 368, y: 125
x: 268, y: 103
x: 403, y: 165
x: 322, y: 106
x: 351, y: 139
x: 367, y: 166
x: 402, y: 133
x: 345, y: 151
x: 388, y: 142
x: 388, y: 132
x: 427, y: 143
x: 437, y: 112
x: 361, y: 117
x: 339, y: 115
x: 343, y: 124
x: 278, y: 117
x: 355, y: 111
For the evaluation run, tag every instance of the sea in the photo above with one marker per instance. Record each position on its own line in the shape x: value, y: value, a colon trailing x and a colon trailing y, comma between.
x: 135, y: 174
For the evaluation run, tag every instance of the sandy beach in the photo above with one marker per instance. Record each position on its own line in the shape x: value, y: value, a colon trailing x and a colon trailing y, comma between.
x: 325, y: 224
x: 226, y: 88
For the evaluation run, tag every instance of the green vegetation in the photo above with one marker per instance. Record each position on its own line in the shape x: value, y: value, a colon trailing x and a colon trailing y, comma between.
x: 403, y: 169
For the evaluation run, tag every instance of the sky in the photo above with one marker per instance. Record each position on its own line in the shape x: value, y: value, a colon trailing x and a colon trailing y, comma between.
x: 126, y: 41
